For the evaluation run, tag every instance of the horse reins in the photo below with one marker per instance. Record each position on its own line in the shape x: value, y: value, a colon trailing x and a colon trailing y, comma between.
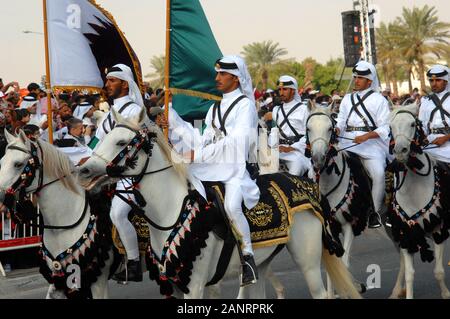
x: 27, y: 176
x: 415, y: 143
x: 143, y: 140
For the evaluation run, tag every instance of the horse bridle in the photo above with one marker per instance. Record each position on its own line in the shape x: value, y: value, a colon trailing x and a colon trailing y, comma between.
x: 333, y: 135
x: 28, y: 174
x: 27, y: 177
x: 143, y: 140
x: 415, y: 143
x: 331, y: 152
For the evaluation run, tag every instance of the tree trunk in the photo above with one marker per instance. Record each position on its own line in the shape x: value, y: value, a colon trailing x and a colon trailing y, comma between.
x: 395, y: 84
x: 386, y: 76
x: 265, y: 78
x: 410, y: 80
x: 422, y: 77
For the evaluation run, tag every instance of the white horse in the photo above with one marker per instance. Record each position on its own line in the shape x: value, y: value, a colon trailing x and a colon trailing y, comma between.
x: 63, y: 203
x: 418, y: 207
x: 164, y: 188
x: 349, y: 203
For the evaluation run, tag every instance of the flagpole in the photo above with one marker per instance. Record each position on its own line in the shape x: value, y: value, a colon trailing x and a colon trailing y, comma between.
x: 167, y: 69
x: 47, y: 78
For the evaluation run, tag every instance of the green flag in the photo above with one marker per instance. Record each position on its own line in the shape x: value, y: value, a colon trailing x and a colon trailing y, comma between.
x: 193, y: 53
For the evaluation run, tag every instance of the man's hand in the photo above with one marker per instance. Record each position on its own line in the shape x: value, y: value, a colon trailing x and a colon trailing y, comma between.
x: 338, y: 131
x: 189, y: 156
x: 361, y: 139
x: 88, y: 130
x: 441, y: 140
x: 365, y: 137
x: 161, y: 121
x: 286, y: 149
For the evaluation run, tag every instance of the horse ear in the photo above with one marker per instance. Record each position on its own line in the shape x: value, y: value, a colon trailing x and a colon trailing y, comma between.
x: 23, y: 137
x: 311, y: 105
x: 116, y: 116
x: 9, y: 137
x: 142, y: 115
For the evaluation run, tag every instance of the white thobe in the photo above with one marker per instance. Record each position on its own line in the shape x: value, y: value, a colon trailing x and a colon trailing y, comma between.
x: 296, y: 160
x: 441, y: 153
x: 373, y: 152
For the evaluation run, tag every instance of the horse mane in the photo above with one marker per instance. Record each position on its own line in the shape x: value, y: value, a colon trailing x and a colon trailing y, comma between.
x: 57, y: 165
x: 173, y: 157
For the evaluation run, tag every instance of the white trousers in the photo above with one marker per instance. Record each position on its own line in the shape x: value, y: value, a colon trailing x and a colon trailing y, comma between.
x: 119, y: 217
x: 299, y: 167
x: 233, y: 208
x: 376, y: 168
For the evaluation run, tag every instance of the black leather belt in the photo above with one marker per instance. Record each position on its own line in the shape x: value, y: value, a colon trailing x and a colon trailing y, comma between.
x: 359, y: 129
x: 441, y: 130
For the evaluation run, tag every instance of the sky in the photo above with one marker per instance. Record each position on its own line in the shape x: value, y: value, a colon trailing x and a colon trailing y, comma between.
x: 305, y: 28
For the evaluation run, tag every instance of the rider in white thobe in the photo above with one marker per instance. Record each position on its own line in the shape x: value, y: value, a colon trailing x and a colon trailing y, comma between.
x: 128, y: 105
x: 229, y: 137
x: 289, y: 134
x: 436, y: 124
x: 363, y: 119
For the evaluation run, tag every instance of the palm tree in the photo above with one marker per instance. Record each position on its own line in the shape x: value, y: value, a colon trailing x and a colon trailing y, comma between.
x: 260, y: 57
x: 156, y: 78
x: 421, y: 35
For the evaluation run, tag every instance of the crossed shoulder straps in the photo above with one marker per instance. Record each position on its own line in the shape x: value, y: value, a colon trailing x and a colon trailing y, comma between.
x: 364, y: 109
x: 216, y: 110
x: 439, y: 103
x: 286, y: 120
x: 112, y: 123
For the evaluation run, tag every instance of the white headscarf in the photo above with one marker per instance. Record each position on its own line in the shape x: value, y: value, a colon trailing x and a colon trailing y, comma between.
x: 367, y: 70
x: 124, y: 73
x: 28, y: 101
x: 82, y: 109
x: 235, y: 65
x: 289, y: 82
x: 439, y: 72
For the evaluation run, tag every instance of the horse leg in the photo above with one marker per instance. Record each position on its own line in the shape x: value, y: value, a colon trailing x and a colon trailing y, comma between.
x: 276, y: 283
x: 439, y: 272
x: 398, y: 290
x: 213, y: 292
x: 409, y: 273
x: 53, y: 293
x: 99, y: 288
x: 305, y: 247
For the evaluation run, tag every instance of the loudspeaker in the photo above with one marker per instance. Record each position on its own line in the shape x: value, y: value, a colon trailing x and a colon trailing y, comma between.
x: 351, y: 30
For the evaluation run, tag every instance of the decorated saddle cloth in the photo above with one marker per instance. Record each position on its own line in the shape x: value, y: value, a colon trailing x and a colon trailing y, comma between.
x: 282, y: 195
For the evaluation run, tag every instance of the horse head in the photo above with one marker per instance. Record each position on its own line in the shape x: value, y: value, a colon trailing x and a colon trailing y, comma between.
x: 406, y: 132
x: 119, y: 154
x: 320, y: 135
x: 18, y: 165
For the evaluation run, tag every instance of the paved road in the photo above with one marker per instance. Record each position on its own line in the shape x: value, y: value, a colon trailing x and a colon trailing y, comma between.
x: 372, y: 248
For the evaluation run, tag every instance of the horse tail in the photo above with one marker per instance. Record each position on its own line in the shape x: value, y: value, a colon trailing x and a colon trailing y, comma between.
x: 340, y: 276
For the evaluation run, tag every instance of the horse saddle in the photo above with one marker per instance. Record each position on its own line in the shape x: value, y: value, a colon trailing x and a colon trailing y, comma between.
x: 282, y: 195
